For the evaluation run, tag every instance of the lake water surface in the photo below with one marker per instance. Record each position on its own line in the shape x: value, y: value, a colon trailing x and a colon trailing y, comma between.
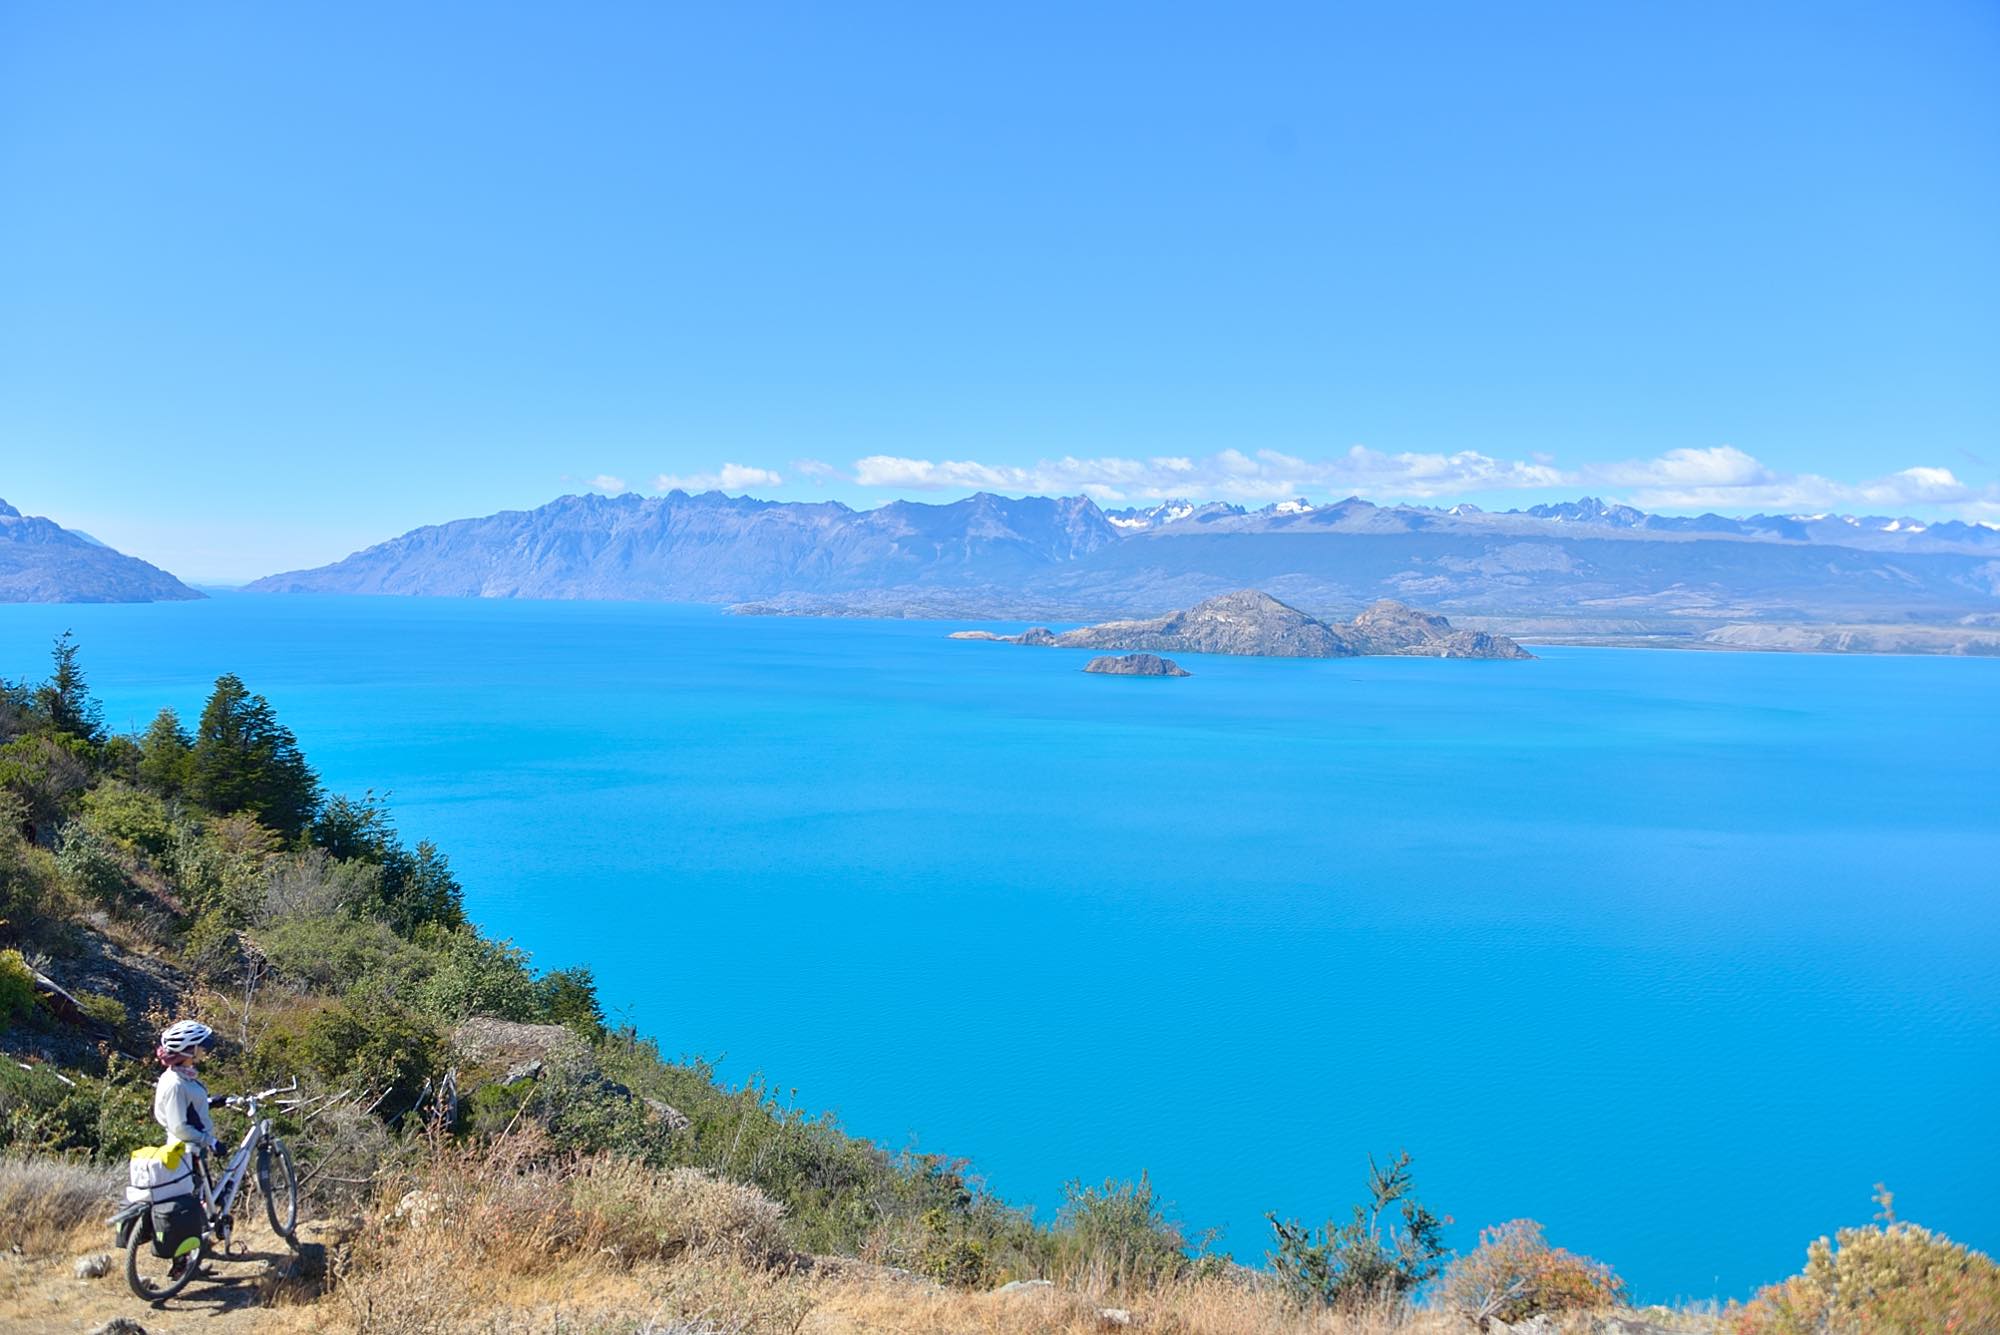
x: 1678, y: 953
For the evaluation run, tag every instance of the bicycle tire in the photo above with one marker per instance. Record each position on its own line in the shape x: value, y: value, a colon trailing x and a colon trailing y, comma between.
x: 278, y: 1180
x: 143, y: 1288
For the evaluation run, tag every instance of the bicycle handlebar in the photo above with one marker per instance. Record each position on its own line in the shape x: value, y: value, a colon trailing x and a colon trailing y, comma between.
x: 245, y: 1100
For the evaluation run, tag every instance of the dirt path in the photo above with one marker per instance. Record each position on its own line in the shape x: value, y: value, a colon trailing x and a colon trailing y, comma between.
x: 232, y: 1294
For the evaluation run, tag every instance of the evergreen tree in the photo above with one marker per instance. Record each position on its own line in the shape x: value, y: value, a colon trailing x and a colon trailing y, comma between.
x: 64, y: 700
x: 164, y: 754
x: 245, y: 760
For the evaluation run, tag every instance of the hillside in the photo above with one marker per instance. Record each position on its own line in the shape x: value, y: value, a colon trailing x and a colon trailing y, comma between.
x: 481, y: 1151
x: 992, y: 556
x: 43, y: 562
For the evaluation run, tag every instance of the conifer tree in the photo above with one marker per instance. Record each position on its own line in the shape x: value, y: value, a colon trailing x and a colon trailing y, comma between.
x: 164, y: 754
x: 64, y: 700
x: 245, y: 760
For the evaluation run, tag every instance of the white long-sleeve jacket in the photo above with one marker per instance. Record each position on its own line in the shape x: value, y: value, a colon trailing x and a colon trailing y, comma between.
x: 180, y: 1104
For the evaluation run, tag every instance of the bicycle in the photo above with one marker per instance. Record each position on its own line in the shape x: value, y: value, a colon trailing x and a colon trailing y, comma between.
x: 154, y: 1278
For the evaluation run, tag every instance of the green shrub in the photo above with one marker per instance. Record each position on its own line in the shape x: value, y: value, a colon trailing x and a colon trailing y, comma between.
x: 212, y: 947
x: 1514, y: 1274
x: 569, y: 996
x: 949, y: 1255
x: 344, y: 955
x: 1119, y: 1235
x: 17, y: 988
x: 372, y: 1047
x: 31, y: 889
x: 475, y: 976
x: 1363, y: 1261
x: 108, y: 1012
x: 220, y: 864
x: 47, y: 773
x: 43, y: 1115
x: 130, y: 817
x: 1886, y: 1279
x: 313, y: 885
x: 89, y: 867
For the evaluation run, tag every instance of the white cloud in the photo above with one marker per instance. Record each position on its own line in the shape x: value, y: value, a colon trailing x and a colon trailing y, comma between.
x: 730, y: 477
x: 1725, y: 478
x: 1718, y: 466
x: 1716, y: 477
x: 1229, y: 474
x: 607, y: 484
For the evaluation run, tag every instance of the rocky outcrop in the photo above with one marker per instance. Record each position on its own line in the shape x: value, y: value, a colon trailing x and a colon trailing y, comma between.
x: 1250, y: 622
x: 546, y: 1059
x: 1389, y: 627
x: 43, y: 562
x: 1244, y: 622
x: 1135, y: 665
x: 1040, y: 636
x: 484, y: 1043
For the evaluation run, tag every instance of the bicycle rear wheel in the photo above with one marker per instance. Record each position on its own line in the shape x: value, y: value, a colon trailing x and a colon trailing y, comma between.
x: 153, y: 1278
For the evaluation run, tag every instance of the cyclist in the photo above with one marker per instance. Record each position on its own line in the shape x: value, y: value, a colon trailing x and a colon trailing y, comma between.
x: 180, y: 1100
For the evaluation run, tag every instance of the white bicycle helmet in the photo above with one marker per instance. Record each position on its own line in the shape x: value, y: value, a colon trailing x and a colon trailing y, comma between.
x: 186, y: 1036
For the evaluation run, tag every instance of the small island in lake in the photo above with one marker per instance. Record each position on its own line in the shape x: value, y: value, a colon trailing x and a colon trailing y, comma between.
x: 1136, y: 665
x: 1252, y: 622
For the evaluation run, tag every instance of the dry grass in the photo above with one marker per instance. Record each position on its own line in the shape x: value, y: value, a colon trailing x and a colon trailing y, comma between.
x: 45, y: 1201
x: 550, y: 1241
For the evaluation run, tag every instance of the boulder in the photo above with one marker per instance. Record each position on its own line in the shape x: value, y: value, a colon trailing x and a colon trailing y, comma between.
x: 1025, y: 1286
x: 506, y: 1045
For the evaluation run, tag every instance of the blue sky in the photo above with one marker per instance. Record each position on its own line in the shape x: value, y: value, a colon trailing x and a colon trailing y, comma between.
x: 279, y: 281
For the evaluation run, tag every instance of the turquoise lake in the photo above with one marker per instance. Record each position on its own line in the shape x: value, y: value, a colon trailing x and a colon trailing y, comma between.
x: 1678, y: 953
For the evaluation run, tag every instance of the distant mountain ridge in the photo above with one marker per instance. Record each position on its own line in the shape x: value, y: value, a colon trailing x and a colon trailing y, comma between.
x: 43, y: 562
x: 986, y: 551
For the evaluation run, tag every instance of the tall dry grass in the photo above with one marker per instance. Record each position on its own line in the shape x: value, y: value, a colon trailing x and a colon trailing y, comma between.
x: 510, y: 1235
x: 45, y: 1201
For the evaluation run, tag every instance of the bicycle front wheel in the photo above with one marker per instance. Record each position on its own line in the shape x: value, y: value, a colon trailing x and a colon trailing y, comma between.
x: 278, y: 1183
x: 154, y: 1278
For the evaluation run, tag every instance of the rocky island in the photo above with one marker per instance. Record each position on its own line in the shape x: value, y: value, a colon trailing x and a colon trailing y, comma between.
x: 1136, y: 665
x: 1251, y: 622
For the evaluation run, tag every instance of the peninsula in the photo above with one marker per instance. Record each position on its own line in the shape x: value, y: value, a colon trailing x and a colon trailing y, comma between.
x: 43, y: 562
x: 1253, y: 623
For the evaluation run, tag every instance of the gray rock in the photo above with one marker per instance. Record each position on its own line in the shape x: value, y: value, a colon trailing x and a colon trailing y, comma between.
x: 1113, y: 1318
x: 120, y: 1325
x: 1136, y: 665
x: 663, y: 1111
x: 527, y: 1070
x: 95, y: 1266
x: 1025, y: 1286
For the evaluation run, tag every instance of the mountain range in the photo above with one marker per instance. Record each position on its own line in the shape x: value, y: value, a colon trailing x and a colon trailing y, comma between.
x: 994, y: 555
x: 43, y: 562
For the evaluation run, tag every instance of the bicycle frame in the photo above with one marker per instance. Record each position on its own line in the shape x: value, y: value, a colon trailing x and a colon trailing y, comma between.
x: 218, y: 1199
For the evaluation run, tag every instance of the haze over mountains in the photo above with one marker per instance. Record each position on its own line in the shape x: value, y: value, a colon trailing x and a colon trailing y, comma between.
x: 993, y: 555
x: 43, y: 562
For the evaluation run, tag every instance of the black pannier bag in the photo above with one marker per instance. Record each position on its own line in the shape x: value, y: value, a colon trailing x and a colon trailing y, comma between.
x: 176, y: 1226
